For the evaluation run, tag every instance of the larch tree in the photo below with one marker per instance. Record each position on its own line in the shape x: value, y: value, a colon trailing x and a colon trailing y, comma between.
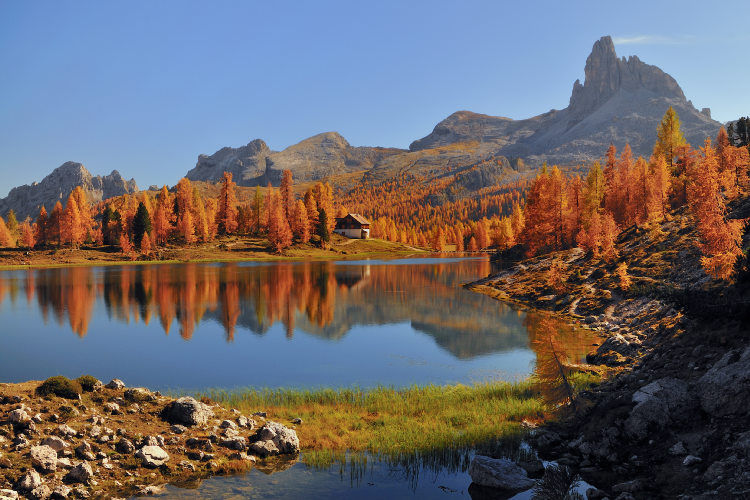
x: 54, y: 232
x: 6, y: 240
x: 669, y: 137
x: 71, y: 228
x: 42, y: 222
x: 162, y: 219
x: 658, y: 188
x: 28, y: 238
x: 12, y: 223
x: 287, y: 195
x: 721, y: 239
x: 301, y: 222
x: 226, y: 217
x: 279, y: 233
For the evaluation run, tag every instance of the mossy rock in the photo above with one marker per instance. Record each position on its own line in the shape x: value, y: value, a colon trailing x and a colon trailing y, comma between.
x: 60, y: 386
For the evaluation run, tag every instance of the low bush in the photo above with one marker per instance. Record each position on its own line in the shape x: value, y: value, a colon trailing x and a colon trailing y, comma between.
x: 60, y: 386
x: 88, y: 383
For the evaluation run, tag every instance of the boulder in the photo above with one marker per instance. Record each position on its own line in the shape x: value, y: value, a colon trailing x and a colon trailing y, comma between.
x: 274, y: 439
x: 19, y: 416
x: 29, y: 481
x: 40, y: 493
x: 115, y: 383
x: 6, y: 494
x: 264, y: 448
x: 55, y: 443
x: 725, y: 388
x: 81, y: 473
x: 138, y: 395
x: 498, y: 473
x: 61, y: 491
x: 152, y: 456
x: 124, y: 446
x: 659, y: 404
x: 238, y: 443
x: 44, y: 458
x: 187, y: 411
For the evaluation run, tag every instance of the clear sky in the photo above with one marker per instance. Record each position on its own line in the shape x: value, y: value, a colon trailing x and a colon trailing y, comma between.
x: 144, y: 87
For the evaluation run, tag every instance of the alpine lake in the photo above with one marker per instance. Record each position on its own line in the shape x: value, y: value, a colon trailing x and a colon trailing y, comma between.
x: 197, y: 328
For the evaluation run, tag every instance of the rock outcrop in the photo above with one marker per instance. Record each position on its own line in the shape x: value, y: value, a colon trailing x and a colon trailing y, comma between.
x: 187, y: 411
x: 498, y: 473
x: 621, y: 101
x: 28, y: 199
x: 314, y: 158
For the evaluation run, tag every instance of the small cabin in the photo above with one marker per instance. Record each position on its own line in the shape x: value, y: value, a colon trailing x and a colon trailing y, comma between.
x: 353, y: 226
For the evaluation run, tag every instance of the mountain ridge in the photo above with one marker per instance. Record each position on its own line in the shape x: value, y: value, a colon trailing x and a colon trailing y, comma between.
x: 27, y: 200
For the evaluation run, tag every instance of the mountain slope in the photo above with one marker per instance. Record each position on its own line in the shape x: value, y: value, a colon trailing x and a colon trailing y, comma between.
x: 621, y: 101
x: 28, y: 199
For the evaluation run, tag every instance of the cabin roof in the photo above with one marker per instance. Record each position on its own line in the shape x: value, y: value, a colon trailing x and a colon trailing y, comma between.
x: 360, y: 219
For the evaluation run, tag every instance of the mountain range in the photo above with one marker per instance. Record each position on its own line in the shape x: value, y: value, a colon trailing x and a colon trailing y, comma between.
x: 620, y: 101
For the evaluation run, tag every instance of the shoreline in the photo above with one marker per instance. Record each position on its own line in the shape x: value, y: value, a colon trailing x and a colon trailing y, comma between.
x: 112, y: 440
x: 216, y: 252
x: 100, y: 435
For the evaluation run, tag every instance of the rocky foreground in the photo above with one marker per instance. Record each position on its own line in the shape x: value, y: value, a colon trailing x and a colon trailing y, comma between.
x: 671, y: 420
x: 117, y: 441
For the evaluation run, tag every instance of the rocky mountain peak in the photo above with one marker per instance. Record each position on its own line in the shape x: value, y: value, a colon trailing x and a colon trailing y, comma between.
x: 57, y: 186
x: 606, y: 74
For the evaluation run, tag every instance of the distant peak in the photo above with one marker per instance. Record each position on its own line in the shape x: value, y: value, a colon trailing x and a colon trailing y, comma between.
x: 606, y: 75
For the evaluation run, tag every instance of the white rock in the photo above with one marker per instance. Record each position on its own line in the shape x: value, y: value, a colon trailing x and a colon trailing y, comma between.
x: 152, y: 456
x: 44, y: 458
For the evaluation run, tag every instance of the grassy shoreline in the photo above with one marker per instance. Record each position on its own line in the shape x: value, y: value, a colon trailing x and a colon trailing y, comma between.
x: 397, y: 425
x: 227, y: 249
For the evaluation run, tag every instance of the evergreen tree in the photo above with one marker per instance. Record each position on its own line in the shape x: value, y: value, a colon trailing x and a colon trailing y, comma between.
x: 141, y: 224
x: 322, y: 228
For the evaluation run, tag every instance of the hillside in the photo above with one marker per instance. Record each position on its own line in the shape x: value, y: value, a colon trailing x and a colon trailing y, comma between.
x: 672, y: 417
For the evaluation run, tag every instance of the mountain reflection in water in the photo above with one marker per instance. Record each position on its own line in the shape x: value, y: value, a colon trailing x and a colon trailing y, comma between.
x: 373, y: 306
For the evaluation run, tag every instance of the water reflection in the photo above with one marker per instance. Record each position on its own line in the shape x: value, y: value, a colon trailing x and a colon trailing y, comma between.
x: 325, y: 299
x: 329, y: 323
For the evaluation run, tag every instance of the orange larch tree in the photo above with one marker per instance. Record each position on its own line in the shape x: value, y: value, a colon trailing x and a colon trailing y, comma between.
x: 226, y: 216
x: 721, y: 239
x: 287, y: 195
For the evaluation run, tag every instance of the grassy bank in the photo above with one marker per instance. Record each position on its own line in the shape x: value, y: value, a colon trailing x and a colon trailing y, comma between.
x: 394, y: 423
x: 225, y: 249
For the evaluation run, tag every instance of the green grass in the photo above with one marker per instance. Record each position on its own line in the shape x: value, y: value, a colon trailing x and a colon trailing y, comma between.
x: 399, y: 425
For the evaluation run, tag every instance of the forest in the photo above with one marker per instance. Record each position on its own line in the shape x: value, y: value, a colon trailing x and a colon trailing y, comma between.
x: 557, y: 209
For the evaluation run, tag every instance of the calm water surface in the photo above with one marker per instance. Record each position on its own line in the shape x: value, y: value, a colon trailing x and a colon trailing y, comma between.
x: 190, y: 327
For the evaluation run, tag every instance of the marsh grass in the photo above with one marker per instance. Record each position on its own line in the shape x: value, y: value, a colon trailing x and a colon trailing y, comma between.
x: 411, y: 427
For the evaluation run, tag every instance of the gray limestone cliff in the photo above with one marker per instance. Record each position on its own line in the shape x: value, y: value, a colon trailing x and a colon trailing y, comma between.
x: 621, y: 101
x: 28, y: 199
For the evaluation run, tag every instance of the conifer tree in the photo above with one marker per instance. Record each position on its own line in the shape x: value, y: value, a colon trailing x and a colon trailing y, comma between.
x: 71, y: 228
x: 322, y: 228
x: 28, y: 238
x: 6, y: 240
x: 141, y: 225
x: 226, y: 217
x: 287, y: 195
x: 721, y: 239
x: 12, y: 223
x: 163, y: 216
x: 40, y: 228
x: 55, y: 224
x: 301, y: 222
x: 669, y: 137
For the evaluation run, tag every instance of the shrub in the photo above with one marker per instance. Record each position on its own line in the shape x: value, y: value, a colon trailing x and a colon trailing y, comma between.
x: 88, y: 383
x: 60, y: 386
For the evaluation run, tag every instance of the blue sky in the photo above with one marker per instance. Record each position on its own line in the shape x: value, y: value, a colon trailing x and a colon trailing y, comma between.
x: 144, y: 87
